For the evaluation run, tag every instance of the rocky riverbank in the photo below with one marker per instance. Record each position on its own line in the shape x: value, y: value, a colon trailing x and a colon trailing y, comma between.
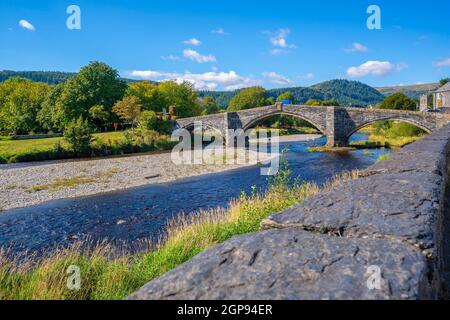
x: 36, y: 184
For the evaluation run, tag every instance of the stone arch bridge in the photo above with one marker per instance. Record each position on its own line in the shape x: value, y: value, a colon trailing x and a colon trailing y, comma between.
x: 336, y: 123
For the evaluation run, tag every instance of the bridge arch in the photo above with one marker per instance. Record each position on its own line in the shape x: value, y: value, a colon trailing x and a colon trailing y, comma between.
x: 400, y: 119
x: 266, y: 116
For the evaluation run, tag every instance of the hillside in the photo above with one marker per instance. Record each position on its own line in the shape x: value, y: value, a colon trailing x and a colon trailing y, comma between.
x: 345, y: 92
x: 50, y: 77
x: 352, y: 93
x: 413, y: 91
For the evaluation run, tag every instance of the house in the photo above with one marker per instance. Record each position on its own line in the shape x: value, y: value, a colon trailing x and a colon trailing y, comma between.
x: 441, y: 97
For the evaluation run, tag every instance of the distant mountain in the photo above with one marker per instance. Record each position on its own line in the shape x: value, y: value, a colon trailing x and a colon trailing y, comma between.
x: 50, y: 77
x: 412, y: 91
x: 345, y: 92
x: 349, y: 93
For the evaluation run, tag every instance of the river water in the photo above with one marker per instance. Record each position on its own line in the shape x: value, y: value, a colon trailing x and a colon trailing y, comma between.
x: 126, y: 216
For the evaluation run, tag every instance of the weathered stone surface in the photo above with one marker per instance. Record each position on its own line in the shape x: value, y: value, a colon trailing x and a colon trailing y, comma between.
x: 337, y: 123
x: 297, y: 265
x: 402, y: 206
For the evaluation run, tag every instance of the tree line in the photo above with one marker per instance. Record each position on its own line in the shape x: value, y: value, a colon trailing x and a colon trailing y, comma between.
x: 98, y: 96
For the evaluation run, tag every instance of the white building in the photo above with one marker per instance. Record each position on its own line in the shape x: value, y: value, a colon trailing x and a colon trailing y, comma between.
x: 441, y: 97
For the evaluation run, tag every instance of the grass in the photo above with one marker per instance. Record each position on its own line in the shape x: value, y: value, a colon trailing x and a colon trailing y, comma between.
x: 103, y: 144
x: 107, y: 275
x: 67, y: 183
x: 381, y: 141
x: 383, y: 157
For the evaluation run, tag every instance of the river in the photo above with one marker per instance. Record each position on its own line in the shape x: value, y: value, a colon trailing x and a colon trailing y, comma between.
x: 126, y: 216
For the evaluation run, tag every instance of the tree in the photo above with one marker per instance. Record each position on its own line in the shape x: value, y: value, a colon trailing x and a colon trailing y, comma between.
x: 209, y: 105
x: 399, y: 101
x: 95, y: 84
x: 149, y: 120
x: 48, y: 116
x: 248, y: 98
x: 330, y: 103
x: 148, y: 95
x: 443, y: 82
x: 99, y: 116
x: 20, y: 102
x: 182, y: 96
x: 78, y: 135
x: 313, y: 102
x: 128, y: 109
x: 286, y: 96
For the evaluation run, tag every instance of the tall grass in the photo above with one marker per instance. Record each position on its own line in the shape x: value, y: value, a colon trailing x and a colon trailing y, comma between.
x: 107, y: 274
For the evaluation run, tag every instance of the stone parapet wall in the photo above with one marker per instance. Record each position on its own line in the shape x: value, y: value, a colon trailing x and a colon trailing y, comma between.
x: 394, y: 219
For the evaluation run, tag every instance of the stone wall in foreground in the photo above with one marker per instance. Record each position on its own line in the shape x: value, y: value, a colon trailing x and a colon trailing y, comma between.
x: 394, y: 219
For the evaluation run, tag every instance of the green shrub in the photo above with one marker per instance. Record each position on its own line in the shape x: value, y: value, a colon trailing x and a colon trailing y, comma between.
x: 78, y: 135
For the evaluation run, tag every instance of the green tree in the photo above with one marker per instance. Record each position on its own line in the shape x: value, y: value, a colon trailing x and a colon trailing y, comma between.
x: 209, y: 105
x: 248, y: 98
x: 20, y: 102
x: 330, y: 103
x: 313, y: 102
x: 128, y: 109
x: 78, y: 135
x: 148, y: 95
x: 286, y: 96
x: 149, y: 120
x: 95, y: 84
x: 399, y: 101
x: 48, y: 116
x: 443, y: 82
x: 99, y: 116
x: 182, y: 96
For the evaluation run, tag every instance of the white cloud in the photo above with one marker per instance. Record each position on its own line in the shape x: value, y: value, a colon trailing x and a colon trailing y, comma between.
x: 220, y: 31
x: 202, y: 81
x: 280, y: 39
x: 277, y: 78
x: 193, y: 42
x: 195, y: 56
x: 376, y: 68
x: 26, y: 25
x: 442, y: 63
x: 171, y: 57
x: 357, y: 47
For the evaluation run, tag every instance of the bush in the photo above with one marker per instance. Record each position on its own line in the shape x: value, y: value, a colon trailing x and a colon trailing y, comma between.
x: 78, y: 135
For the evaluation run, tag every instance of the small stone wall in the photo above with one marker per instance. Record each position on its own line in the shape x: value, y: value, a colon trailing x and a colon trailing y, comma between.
x: 394, y: 220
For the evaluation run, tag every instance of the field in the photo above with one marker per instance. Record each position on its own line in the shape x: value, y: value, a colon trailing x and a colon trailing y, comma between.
x: 103, y: 144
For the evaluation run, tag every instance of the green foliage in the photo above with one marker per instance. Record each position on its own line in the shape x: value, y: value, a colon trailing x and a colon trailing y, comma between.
x: 148, y: 120
x: 209, y: 105
x: 128, y: 109
x: 99, y: 116
x: 182, y: 96
x: 78, y: 135
x: 313, y: 102
x: 286, y: 96
x: 49, y: 77
x: 351, y: 93
x: 147, y: 94
x: 48, y: 116
x: 443, y: 82
x: 399, y: 101
x: 95, y: 84
x: 20, y: 101
x: 248, y: 98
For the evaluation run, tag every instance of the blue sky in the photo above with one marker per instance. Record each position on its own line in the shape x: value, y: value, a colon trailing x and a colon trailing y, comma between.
x: 231, y: 44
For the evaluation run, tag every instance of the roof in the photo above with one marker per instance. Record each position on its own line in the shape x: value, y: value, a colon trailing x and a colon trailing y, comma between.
x: 444, y: 88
